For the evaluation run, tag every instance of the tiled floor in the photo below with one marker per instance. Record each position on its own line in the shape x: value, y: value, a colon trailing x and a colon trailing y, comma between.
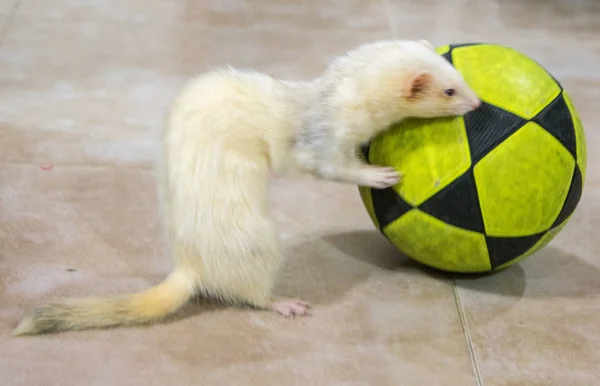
x: 84, y: 84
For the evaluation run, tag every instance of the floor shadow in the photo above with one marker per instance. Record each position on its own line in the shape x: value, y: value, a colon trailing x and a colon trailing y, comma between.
x: 324, y: 268
x: 509, y: 282
x: 551, y: 272
x: 373, y: 248
x: 370, y: 247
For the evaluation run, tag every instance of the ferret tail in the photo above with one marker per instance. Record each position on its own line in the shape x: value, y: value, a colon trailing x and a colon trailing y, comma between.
x: 78, y: 314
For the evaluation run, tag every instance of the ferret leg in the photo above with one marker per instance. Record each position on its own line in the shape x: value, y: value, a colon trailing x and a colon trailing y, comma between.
x: 250, y: 274
x: 288, y: 307
x: 260, y: 297
x: 347, y: 167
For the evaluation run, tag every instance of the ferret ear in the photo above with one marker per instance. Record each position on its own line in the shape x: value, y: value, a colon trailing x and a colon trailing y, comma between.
x: 427, y: 44
x: 417, y: 84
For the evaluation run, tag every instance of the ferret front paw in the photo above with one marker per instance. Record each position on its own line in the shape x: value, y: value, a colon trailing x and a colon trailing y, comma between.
x: 379, y: 177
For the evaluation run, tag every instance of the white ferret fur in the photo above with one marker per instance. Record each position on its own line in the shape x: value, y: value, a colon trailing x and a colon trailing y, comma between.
x: 227, y: 134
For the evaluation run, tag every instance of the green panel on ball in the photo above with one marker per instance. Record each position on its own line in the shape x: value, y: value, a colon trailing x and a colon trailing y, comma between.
x: 522, y: 184
x: 506, y: 78
x: 579, y: 136
x: 430, y: 153
x: 437, y: 244
x: 443, y: 49
x: 536, y: 247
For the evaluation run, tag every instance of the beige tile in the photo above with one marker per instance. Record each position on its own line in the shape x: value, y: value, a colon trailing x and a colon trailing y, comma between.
x: 7, y: 6
x: 156, y: 11
x: 585, y: 93
x: 476, y: 20
x: 5, y: 13
x: 562, y: 40
x: 78, y: 93
x: 296, y: 15
x: 443, y: 21
x: 60, y: 216
x: 77, y: 231
x: 83, y: 49
x: 557, y: 16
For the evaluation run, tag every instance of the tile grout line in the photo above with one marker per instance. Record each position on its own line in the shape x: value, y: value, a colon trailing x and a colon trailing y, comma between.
x: 9, y: 20
x: 467, y: 332
x: 388, y: 8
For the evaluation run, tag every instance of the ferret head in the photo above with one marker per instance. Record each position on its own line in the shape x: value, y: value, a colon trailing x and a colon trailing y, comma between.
x: 434, y: 87
x: 406, y: 78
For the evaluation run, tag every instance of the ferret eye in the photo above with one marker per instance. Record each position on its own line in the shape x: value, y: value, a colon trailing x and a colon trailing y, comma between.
x: 450, y: 91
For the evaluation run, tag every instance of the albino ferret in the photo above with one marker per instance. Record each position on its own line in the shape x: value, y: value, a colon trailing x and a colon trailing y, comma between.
x: 227, y: 134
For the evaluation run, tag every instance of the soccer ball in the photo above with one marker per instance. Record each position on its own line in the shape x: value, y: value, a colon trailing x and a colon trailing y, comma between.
x: 482, y: 191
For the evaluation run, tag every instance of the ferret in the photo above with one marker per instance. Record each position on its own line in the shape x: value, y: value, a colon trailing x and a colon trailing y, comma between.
x: 228, y: 133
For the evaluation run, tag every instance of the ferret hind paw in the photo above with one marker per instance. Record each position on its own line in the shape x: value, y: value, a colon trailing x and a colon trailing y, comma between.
x: 291, y: 307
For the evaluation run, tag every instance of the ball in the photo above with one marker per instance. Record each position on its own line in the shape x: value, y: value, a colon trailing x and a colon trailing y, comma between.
x: 482, y: 191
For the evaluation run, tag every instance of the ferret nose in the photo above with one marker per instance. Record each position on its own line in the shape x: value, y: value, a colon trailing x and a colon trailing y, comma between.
x: 476, y: 104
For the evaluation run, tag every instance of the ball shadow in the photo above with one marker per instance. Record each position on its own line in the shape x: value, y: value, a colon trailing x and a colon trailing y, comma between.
x: 551, y: 272
x: 323, y: 268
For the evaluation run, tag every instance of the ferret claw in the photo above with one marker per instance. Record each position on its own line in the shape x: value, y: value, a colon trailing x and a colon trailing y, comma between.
x: 379, y: 177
